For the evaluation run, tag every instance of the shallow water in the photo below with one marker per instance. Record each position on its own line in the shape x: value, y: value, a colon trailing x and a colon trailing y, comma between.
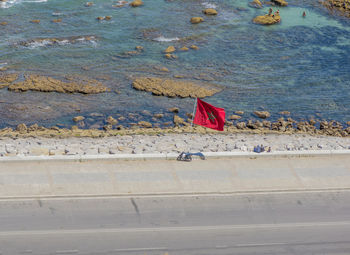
x: 300, y: 65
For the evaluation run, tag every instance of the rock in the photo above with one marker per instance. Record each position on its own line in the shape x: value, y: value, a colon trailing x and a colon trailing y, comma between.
x: 170, y: 49
x: 196, y: 20
x: 284, y: 113
x: 88, y: 4
x: 35, y: 21
x: 256, y: 4
x: 280, y: 2
x: 48, y: 84
x: 267, y: 19
x: 33, y: 127
x: 144, y: 124
x: 241, y: 125
x: 266, y: 123
x: 139, y: 48
x: 234, y: 117
x: 57, y: 20
x: 162, y: 69
x: 136, y: 3
x: 174, y: 88
x: 239, y: 112
x: 22, y: 128
x: 39, y: 151
x: 210, y: 11
x: 174, y: 109
x: 111, y: 121
x: 178, y: 121
x: 108, y: 17
x: 262, y: 114
x: 158, y: 115
x: 194, y: 47
x: 341, y: 6
x: 100, y: 18
x: 170, y: 56
x: 78, y: 118
x: 3, y: 23
x: 184, y: 48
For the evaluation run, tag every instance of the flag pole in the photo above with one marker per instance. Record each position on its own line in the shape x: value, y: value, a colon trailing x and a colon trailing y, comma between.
x: 194, y: 112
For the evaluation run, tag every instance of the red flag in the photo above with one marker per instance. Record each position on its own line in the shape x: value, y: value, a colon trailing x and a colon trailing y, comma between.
x: 209, y: 116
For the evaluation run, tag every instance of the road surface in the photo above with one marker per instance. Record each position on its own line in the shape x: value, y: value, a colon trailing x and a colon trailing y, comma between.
x: 308, y: 222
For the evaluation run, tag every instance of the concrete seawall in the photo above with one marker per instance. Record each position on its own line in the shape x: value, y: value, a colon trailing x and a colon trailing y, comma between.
x: 127, y: 176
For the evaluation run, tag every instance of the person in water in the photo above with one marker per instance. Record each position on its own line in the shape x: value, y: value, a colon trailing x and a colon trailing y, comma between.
x: 270, y: 12
x: 304, y: 14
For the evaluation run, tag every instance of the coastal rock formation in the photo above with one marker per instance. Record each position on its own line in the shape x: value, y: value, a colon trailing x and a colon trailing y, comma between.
x: 210, y: 11
x: 78, y: 118
x: 7, y: 79
x: 136, y: 3
x: 234, y: 117
x: 194, y: 47
x: 196, y: 20
x: 280, y: 2
x: 48, y: 84
x: 342, y: 6
x: 184, y: 48
x: 267, y: 19
x: 174, y: 88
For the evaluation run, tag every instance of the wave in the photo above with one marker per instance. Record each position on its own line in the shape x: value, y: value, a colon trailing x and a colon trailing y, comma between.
x: 164, y: 39
x: 10, y: 3
x: 209, y: 5
x: 42, y: 42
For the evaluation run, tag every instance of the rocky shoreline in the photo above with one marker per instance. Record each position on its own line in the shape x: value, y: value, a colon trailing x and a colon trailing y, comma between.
x: 167, y: 143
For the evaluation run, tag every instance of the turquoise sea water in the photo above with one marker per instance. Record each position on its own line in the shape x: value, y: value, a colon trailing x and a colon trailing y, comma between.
x: 301, y: 65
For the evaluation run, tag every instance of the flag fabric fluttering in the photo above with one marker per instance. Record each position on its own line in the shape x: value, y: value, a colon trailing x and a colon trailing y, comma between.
x: 209, y: 116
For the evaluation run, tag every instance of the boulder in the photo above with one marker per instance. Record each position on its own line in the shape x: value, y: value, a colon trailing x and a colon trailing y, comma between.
x: 136, y: 3
x: 78, y: 118
x: 174, y: 109
x: 196, y: 20
x: 170, y: 49
x: 174, y: 88
x: 256, y: 4
x: 210, y: 11
x: 241, y: 125
x: 170, y: 56
x: 144, y: 124
x: 234, y: 117
x: 108, y: 17
x: 88, y: 4
x: 178, y: 121
x: 139, y: 48
x: 22, y: 128
x: 194, y: 47
x: 239, y: 112
x: 35, y: 21
x: 184, y: 48
x: 111, y: 121
x: 267, y: 19
x: 100, y: 18
x: 280, y: 2
x: 262, y: 114
x: 284, y: 113
x: 158, y: 115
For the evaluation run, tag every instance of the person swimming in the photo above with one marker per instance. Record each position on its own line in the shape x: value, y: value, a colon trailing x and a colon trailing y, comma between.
x: 304, y: 14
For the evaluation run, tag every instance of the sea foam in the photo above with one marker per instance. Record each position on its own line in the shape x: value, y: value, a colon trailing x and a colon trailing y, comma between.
x: 209, y: 5
x: 10, y: 3
x: 164, y: 39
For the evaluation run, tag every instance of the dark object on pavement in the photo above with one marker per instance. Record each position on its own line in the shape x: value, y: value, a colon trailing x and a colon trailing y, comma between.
x: 187, y: 156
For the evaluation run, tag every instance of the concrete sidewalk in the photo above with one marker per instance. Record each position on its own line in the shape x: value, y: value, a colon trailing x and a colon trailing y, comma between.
x: 115, y: 177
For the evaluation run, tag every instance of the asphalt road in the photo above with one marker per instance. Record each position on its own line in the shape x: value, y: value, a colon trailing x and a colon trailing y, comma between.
x: 263, y: 223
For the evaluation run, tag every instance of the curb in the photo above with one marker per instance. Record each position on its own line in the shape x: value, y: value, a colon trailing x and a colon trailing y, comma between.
x: 173, y: 156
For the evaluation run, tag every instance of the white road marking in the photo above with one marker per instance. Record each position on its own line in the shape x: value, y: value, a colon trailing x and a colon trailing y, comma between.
x: 172, y: 229
x: 141, y: 249
x: 210, y: 194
